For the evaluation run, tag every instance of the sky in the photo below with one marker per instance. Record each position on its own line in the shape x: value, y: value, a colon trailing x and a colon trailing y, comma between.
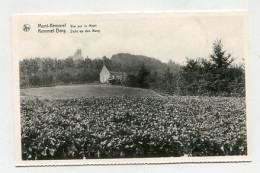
x: 164, y: 36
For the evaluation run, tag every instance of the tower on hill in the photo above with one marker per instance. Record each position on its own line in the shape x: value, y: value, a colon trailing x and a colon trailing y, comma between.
x: 77, y: 55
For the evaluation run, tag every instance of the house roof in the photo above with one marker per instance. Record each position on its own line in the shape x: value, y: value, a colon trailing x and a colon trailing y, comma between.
x: 114, y: 71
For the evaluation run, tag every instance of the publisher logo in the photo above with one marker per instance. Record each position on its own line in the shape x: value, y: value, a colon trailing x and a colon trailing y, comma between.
x: 26, y: 27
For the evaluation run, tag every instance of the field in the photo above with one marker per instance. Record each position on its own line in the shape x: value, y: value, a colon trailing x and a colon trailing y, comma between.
x: 83, y: 91
x: 128, y: 126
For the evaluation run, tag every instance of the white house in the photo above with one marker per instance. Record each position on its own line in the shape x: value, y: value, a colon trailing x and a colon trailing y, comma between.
x: 107, y: 76
x: 104, y: 75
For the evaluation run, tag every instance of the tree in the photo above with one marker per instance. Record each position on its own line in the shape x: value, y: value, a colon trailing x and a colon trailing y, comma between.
x: 221, y: 63
x: 169, y: 81
x: 142, y: 77
x: 192, y: 74
x: 216, y: 76
x: 220, y: 59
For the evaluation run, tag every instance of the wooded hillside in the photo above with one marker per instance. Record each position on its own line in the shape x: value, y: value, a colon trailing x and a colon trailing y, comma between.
x: 215, y: 75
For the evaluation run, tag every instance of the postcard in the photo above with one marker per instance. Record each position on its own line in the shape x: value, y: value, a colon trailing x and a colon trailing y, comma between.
x: 136, y: 88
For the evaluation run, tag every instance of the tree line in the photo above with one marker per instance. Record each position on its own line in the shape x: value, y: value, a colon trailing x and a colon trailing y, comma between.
x: 214, y: 76
x: 37, y: 72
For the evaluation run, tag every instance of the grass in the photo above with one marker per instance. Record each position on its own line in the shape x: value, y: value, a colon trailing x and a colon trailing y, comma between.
x: 84, y: 91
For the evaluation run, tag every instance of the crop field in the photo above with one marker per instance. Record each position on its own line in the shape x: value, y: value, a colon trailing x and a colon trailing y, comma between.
x: 132, y: 127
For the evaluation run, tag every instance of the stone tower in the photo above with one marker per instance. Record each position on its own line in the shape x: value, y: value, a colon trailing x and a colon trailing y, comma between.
x: 77, y: 54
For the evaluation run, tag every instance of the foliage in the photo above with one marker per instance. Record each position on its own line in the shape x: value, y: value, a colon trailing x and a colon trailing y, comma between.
x: 132, y: 63
x: 219, y: 58
x: 48, y: 71
x: 214, y: 76
x: 125, y: 127
x: 139, y: 80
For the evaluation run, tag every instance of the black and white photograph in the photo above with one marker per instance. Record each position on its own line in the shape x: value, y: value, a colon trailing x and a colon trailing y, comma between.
x: 131, y: 88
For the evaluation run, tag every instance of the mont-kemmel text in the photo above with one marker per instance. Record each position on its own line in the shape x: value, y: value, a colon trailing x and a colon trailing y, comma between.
x: 63, y: 28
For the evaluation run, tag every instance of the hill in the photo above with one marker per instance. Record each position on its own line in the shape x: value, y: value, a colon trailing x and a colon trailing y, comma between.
x: 38, y: 72
x: 84, y: 91
x: 132, y: 63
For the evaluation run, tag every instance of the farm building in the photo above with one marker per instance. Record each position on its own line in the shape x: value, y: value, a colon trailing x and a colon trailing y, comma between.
x: 111, y: 77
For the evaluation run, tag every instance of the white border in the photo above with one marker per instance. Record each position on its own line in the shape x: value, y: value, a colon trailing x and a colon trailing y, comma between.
x: 16, y: 99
